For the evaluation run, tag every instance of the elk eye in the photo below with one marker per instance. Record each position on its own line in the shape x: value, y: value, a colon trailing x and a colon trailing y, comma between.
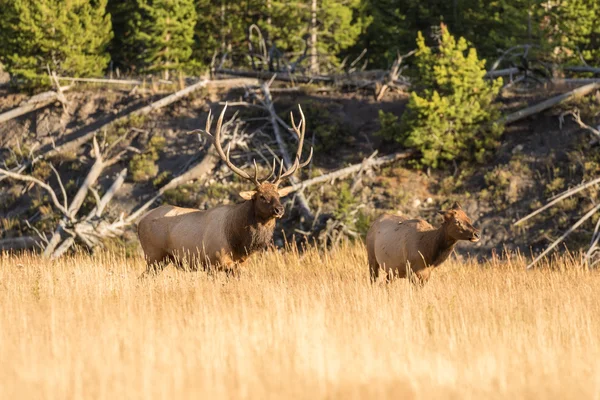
x: 263, y: 198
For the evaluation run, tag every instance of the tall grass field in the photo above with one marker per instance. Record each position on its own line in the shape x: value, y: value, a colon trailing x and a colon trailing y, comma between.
x: 297, y: 326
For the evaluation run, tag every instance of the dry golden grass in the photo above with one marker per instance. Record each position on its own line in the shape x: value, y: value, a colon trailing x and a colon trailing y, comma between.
x: 296, y: 327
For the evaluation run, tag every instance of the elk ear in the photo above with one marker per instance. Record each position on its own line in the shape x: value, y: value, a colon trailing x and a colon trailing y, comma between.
x: 248, y: 195
x: 456, y: 206
x: 445, y: 214
x: 285, y: 191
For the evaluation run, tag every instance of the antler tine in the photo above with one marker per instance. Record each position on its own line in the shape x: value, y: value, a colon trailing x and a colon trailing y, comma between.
x: 209, y: 123
x: 255, y: 177
x: 272, y: 169
x: 279, y: 174
x: 300, y: 130
x: 308, y: 160
x: 219, y: 149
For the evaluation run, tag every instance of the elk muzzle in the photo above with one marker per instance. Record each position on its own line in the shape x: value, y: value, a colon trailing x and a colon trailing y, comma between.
x: 278, y: 210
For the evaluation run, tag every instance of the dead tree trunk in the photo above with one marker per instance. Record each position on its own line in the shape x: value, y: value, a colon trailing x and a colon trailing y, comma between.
x: 165, y: 101
x: 544, y: 105
x: 344, y: 172
x: 36, y: 102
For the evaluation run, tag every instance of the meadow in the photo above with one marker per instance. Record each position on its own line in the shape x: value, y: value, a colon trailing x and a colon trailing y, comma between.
x: 297, y: 326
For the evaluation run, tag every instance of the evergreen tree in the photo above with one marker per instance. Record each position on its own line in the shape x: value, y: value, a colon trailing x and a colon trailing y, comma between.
x: 491, y: 26
x: 572, y: 28
x: 153, y: 35
x: 223, y: 26
x: 124, y: 17
x: 166, y: 33
x: 340, y: 24
x: 448, y: 117
x: 69, y: 36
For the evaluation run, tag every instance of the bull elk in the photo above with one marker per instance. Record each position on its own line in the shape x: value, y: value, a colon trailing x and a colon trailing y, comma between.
x: 225, y: 236
x: 411, y: 248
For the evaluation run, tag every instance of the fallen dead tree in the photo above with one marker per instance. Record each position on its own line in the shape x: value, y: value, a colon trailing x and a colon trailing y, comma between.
x: 70, y: 225
x: 594, y: 245
x: 367, y: 163
x: 544, y: 105
x: 74, y: 144
x: 34, y: 103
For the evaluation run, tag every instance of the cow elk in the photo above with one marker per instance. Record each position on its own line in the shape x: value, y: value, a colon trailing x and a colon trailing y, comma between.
x: 225, y: 236
x: 411, y: 248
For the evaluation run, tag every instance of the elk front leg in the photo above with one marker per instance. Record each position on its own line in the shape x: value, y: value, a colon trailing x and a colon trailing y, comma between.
x: 227, y: 264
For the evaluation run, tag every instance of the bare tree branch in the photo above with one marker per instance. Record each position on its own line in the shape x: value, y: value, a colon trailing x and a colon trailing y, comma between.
x: 45, y: 186
x: 563, y: 196
x: 577, y: 118
x: 587, y: 216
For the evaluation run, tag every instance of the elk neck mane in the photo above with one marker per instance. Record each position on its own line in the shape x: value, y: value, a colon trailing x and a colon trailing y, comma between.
x: 440, y: 246
x: 246, y: 232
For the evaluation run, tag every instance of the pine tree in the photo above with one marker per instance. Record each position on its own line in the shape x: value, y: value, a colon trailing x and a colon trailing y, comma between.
x: 153, y: 36
x: 124, y: 18
x: 68, y: 36
x: 451, y: 116
x: 339, y: 28
x: 572, y: 28
x: 223, y: 26
x: 491, y: 26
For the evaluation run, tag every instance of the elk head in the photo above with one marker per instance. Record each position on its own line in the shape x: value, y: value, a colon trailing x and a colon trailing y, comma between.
x: 458, y: 224
x: 266, y: 194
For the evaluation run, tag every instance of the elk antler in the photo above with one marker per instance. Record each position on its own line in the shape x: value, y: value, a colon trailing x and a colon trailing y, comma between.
x: 225, y: 155
x: 299, y: 129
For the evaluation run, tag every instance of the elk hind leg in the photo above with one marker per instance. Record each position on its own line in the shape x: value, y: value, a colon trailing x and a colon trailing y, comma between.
x: 373, y: 269
x: 154, y: 265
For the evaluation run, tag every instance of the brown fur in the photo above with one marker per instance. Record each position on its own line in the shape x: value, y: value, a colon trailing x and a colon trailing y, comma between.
x: 411, y: 248
x: 223, y: 236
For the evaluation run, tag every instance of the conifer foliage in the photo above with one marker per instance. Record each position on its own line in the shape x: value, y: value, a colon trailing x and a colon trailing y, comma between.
x: 154, y: 35
x: 68, y: 36
x: 451, y: 116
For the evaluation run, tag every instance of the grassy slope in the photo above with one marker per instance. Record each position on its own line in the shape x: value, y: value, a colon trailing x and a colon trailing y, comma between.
x: 535, y: 161
x: 291, y: 327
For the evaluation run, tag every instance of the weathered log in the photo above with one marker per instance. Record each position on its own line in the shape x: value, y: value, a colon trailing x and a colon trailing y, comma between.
x: 587, y: 216
x: 279, y: 76
x: 165, y: 101
x: 102, y: 80
x: 583, y: 68
x: 344, y: 172
x: 501, y: 72
x: 544, y: 105
x: 36, y: 102
x: 562, y: 196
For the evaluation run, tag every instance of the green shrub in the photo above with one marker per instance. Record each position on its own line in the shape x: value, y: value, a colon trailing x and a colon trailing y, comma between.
x: 143, y: 166
x: 329, y: 132
x: 389, y: 126
x: 450, y: 116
